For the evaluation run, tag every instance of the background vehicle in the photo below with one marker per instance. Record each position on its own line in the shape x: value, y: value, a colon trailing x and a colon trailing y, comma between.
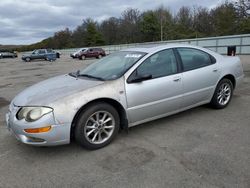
x: 8, y: 54
x: 58, y: 54
x: 46, y: 54
x: 124, y: 89
x: 92, y: 52
x: 77, y: 53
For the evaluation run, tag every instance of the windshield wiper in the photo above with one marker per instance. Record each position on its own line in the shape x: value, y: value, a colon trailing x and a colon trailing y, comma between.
x: 75, y: 74
x: 90, y: 76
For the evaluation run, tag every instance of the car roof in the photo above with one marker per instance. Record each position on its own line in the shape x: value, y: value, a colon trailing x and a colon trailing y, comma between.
x: 96, y: 48
x: 154, y: 47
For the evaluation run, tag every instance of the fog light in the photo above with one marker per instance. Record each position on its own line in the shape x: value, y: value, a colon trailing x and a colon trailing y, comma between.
x: 38, y: 130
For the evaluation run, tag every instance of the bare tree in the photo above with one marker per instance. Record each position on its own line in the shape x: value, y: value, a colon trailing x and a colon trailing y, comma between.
x: 130, y: 25
x: 243, y: 8
x: 110, y: 30
x: 165, y: 19
x: 202, y: 22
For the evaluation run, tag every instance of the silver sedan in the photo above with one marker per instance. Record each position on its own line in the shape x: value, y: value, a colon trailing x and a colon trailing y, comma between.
x: 124, y: 89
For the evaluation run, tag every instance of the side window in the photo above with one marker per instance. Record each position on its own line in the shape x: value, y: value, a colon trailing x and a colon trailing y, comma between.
x: 193, y: 59
x: 160, y: 64
x: 41, y: 51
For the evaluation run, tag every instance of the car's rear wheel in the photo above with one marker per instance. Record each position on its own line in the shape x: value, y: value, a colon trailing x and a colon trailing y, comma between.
x: 97, y: 126
x: 223, y: 94
x: 27, y: 59
x: 99, y: 56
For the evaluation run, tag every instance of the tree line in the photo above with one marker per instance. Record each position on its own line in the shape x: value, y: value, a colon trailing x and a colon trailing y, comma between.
x: 228, y: 18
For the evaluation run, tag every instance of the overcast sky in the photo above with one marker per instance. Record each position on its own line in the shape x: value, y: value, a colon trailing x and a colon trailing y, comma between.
x: 30, y: 21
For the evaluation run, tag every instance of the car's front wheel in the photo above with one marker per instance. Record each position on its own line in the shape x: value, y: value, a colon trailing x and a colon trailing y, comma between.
x: 82, y: 57
x: 223, y: 94
x: 27, y: 59
x: 97, y: 126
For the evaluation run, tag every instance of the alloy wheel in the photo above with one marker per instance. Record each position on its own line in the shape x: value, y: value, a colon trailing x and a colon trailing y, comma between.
x: 224, y: 94
x: 99, y: 127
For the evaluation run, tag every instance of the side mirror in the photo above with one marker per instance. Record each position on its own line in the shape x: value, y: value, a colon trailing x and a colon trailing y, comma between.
x: 139, y: 78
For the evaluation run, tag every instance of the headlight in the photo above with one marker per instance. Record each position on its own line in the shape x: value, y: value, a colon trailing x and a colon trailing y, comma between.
x: 31, y: 114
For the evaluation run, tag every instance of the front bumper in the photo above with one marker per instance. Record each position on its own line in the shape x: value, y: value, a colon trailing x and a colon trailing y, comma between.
x: 58, y: 135
x: 74, y: 56
x: 24, y: 57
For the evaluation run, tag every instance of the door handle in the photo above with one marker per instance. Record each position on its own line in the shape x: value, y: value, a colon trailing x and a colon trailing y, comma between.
x: 177, y: 79
x: 215, y: 70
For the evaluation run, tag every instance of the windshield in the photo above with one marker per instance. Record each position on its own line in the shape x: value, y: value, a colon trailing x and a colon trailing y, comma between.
x: 80, y: 50
x: 112, y: 66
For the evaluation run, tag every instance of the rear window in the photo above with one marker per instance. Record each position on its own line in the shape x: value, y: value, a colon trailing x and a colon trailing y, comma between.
x: 193, y: 58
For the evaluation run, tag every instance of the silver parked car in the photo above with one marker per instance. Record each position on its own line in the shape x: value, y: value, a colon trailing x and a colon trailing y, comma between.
x: 124, y: 89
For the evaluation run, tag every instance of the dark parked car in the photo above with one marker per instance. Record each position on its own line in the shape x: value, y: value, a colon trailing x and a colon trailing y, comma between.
x: 77, y: 53
x: 8, y: 54
x: 46, y: 54
x: 58, y: 54
x: 92, y: 52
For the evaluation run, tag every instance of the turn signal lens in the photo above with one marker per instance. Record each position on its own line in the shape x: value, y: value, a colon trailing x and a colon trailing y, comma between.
x: 38, y: 130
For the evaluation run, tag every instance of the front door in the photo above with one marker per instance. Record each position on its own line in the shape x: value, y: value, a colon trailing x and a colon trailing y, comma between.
x: 156, y: 96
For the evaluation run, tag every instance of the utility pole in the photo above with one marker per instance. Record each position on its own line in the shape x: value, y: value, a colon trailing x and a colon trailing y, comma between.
x: 161, y: 27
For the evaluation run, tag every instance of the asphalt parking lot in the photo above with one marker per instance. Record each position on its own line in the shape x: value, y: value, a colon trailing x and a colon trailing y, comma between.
x: 201, y: 147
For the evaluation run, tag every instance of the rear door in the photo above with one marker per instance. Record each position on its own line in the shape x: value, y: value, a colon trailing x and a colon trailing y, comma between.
x: 96, y: 52
x: 158, y: 96
x: 200, y: 76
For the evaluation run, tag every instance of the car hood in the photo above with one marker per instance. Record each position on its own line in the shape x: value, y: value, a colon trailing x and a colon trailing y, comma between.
x: 50, y: 90
x: 75, y: 53
x: 25, y: 55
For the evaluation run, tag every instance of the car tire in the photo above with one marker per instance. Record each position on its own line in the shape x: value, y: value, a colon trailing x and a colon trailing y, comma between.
x: 99, y: 56
x: 222, y: 94
x: 82, y: 57
x: 97, y: 126
x: 27, y: 59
